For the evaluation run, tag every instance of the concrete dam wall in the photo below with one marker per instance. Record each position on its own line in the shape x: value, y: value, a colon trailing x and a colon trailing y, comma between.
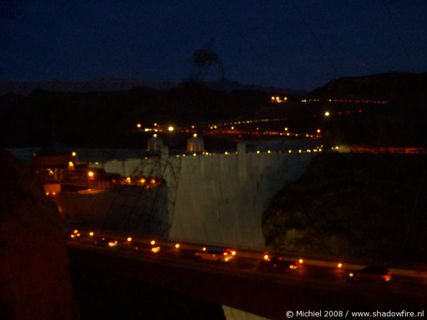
x: 218, y: 199
x: 131, y: 209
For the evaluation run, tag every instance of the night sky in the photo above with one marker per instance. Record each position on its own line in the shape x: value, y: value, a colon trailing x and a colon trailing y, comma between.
x: 298, y: 44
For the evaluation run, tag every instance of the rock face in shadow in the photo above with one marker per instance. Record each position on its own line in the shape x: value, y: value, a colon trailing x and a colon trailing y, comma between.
x: 354, y: 205
x: 34, y: 277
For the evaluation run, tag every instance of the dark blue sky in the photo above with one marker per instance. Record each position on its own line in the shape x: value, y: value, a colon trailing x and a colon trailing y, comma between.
x: 299, y: 44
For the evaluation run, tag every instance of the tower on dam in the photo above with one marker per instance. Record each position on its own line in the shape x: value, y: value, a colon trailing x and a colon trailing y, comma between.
x: 195, y: 144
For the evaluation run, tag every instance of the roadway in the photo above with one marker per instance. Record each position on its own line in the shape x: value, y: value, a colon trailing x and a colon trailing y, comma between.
x: 241, y: 285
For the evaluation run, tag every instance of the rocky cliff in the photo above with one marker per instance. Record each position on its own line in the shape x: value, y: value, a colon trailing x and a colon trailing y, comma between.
x: 351, y: 205
x: 34, y: 278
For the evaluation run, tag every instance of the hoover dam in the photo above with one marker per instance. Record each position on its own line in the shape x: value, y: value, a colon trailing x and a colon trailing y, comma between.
x: 211, y: 198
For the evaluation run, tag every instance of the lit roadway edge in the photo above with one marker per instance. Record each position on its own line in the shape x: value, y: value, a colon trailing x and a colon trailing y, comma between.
x: 238, y: 284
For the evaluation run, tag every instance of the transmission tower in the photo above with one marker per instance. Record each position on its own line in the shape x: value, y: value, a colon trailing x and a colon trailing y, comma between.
x: 147, y: 210
x: 206, y: 63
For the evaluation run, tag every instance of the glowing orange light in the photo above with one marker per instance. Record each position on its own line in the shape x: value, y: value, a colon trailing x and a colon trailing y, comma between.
x: 266, y: 257
x: 129, y: 239
x: 90, y: 174
x: 138, y: 125
x: 153, y: 242
x: 76, y: 231
x: 351, y: 274
x: 142, y: 180
x: 177, y: 245
x: 91, y: 234
x: 204, y: 249
x: 291, y: 266
x: 233, y: 253
x: 73, y: 153
x: 339, y: 265
x: 300, y: 261
x: 225, y: 253
x: 153, y: 181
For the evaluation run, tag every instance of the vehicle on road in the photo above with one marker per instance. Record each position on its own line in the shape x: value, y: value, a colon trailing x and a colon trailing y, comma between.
x: 72, y: 235
x: 104, y: 242
x: 272, y: 264
x: 216, y: 254
x: 370, y: 274
x: 149, y: 247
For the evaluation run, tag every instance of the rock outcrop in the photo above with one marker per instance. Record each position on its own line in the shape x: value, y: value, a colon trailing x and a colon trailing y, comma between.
x: 353, y: 205
x: 34, y: 277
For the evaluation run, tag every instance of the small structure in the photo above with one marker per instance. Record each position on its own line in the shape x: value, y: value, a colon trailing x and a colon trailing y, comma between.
x: 58, y: 169
x: 195, y: 144
x: 154, y: 144
x: 51, y: 164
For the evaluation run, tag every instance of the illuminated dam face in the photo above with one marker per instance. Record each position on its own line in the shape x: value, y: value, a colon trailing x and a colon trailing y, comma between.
x: 219, y: 199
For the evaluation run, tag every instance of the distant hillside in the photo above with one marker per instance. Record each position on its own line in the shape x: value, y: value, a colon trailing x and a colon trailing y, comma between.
x: 117, y: 84
x: 402, y: 87
x: 89, y: 118
x: 103, y: 84
x: 402, y: 121
x: 229, y: 85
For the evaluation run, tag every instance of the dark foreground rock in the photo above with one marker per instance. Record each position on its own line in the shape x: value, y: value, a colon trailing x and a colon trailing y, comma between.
x: 34, y: 278
x: 102, y: 294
